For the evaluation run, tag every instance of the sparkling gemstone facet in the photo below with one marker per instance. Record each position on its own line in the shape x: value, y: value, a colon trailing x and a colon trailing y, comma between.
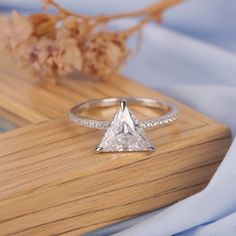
x: 124, y: 134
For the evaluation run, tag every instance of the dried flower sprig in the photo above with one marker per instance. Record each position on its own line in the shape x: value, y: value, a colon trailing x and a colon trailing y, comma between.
x: 59, y: 44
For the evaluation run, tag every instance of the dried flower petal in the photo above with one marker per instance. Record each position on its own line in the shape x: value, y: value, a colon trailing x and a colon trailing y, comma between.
x: 20, y: 28
x: 68, y: 57
x: 103, y: 55
x: 43, y: 24
x: 73, y: 28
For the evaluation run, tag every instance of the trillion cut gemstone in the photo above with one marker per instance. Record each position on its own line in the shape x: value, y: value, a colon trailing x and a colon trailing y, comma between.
x: 124, y: 134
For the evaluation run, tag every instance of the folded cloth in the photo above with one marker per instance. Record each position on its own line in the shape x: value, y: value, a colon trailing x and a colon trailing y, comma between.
x: 205, y: 83
x: 212, y: 212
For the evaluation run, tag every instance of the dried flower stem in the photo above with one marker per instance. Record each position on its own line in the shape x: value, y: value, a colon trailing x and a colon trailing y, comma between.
x: 127, y: 32
x: 152, y: 10
x: 155, y: 8
x: 63, y: 11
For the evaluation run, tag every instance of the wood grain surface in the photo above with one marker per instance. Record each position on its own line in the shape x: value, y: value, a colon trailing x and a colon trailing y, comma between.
x: 53, y: 183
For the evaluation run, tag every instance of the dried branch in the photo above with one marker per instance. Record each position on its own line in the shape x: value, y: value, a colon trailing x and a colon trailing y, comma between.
x: 153, y: 9
x: 62, y: 10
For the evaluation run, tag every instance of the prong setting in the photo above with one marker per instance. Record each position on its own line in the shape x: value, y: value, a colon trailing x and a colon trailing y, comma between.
x: 99, y: 149
x: 151, y: 149
x: 123, y: 104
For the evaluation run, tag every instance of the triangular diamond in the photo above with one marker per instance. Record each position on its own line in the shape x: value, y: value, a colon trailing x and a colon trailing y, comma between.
x: 124, y: 134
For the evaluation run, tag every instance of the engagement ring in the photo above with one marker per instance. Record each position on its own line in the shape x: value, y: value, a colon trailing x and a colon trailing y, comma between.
x: 125, y: 133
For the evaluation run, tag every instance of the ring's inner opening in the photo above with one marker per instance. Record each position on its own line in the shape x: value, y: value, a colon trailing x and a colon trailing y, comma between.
x: 108, y: 112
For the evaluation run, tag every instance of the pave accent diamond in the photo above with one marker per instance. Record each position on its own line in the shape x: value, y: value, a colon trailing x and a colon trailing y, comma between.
x: 124, y: 134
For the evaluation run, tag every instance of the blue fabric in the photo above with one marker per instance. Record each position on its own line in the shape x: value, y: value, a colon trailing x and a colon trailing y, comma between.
x: 210, y: 212
x: 201, y: 76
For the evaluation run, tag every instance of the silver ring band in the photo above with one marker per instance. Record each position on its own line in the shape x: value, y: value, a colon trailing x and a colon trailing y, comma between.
x: 170, y: 115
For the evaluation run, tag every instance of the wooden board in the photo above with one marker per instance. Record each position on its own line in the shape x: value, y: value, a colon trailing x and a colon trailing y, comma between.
x: 53, y: 183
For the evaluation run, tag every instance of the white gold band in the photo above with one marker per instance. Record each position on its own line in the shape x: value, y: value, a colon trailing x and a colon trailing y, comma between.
x: 171, y: 112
